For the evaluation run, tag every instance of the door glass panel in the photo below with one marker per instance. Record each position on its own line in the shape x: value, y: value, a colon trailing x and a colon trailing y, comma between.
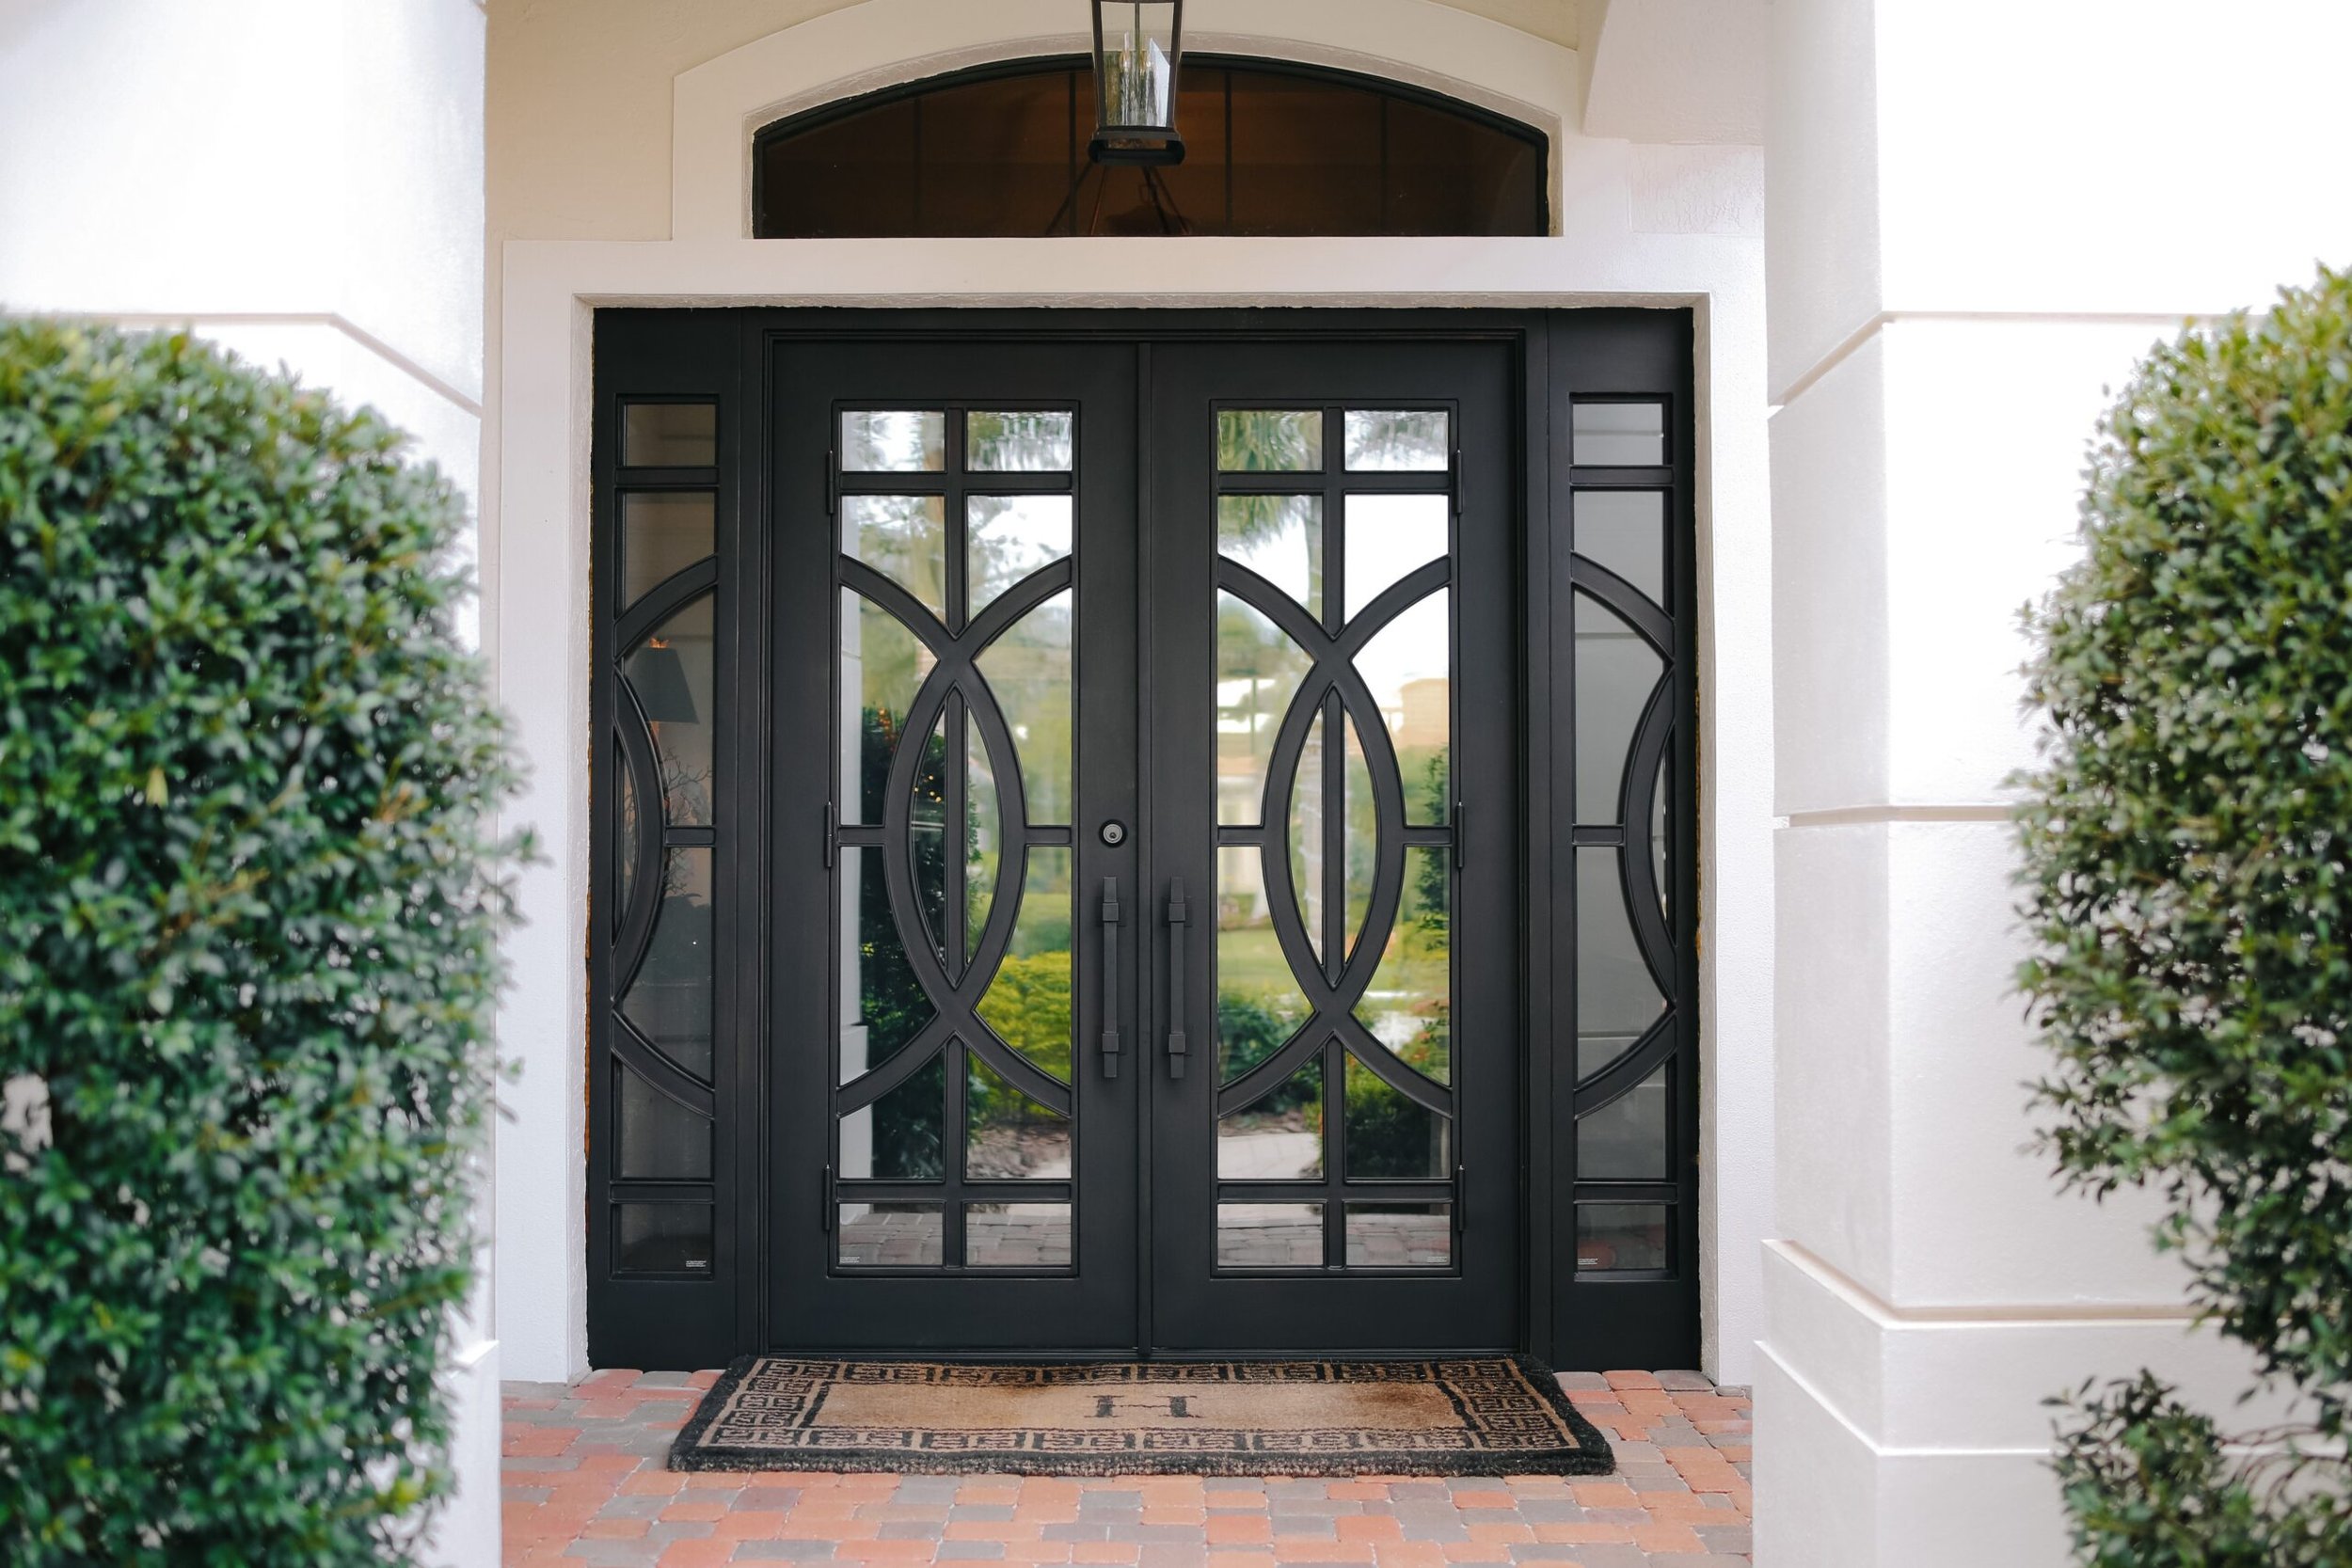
x: 1615, y: 671
x: 1028, y: 671
x: 1400, y: 1235
x: 892, y: 1235
x: 1617, y: 435
x: 1010, y: 536
x: 663, y: 533
x: 1028, y: 1001
x: 882, y: 666
x: 899, y: 1137
x: 672, y: 676
x: 661, y: 1140
x: 1023, y: 441
x: 878, y: 441
x: 669, y: 435
x: 1621, y: 1236
x: 1279, y: 538
x: 1615, y: 997
x: 1408, y: 1006
x: 625, y: 841
x: 670, y: 1000
x: 1264, y: 440
x: 1257, y: 1002
x: 1009, y: 1136
x: 1259, y: 670
x: 1625, y: 1139
x: 1269, y: 1235
x: 927, y: 835
x: 1361, y: 827
x: 1626, y: 531
x: 661, y: 1238
x: 904, y: 538
x: 1661, y: 839
x: 1394, y: 440
x: 883, y: 1005
x: 1388, y: 536
x: 1017, y: 1236
x: 1309, y: 842
x: 1277, y: 1137
x: 1388, y: 1136
x: 1408, y: 666
x: 983, y: 838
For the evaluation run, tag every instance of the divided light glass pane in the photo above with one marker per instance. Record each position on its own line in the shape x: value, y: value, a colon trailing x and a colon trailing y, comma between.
x: 1626, y: 531
x: 1016, y: 1236
x: 663, y: 533
x: 904, y: 538
x: 1615, y: 671
x: 1279, y: 538
x: 1028, y: 671
x: 892, y: 1235
x: 901, y: 1136
x: 983, y: 837
x: 661, y: 1238
x: 1621, y: 1236
x: 927, y: 835
x: 1399, y: 440
x: 661, y: 1140
x: 1008, y: 537
x: 1617, y: 435
x: 1408, y: 1006
x: 669, y: 435
x: 1307, y: 841
x: 1269, y: 1235
x: 1626, y: 1139
x: 674, y: 677
x: 1269, y: 440
x: 1390, y: 1137
x: 1009, y: 1136
x: 1400, y: 1235
x: 1017, y: 441
x: 670, y: 1000
x: 893, y: 441
x: 882, y: 666
x: 1027, y: 1000
x: 1257, y: 1002
x: 1259, y: 670
x: 1277, y: 1136
x: 1387, y: 537
x: 1615, y: 997
x: 1408, y: 664
x: 883, y: 1005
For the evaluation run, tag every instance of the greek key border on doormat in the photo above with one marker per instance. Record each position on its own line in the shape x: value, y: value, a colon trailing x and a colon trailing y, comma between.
x: 1510, y: 1419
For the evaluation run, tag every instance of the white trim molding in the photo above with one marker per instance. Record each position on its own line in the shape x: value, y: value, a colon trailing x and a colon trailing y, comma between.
x: 719, y: 105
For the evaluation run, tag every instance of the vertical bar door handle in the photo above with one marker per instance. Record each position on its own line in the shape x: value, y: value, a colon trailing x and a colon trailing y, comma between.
x: 1110, y: 977
x: 1176, y: 919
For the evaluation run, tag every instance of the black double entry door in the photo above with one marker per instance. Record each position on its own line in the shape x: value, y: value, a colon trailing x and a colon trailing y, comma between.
x: 1154, y: 987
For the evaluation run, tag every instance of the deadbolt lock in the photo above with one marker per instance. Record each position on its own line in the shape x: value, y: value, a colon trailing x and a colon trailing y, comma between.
x: 1114, y: 833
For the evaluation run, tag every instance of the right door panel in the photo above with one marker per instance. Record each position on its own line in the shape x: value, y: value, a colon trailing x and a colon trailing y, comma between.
x: 1332, y: 872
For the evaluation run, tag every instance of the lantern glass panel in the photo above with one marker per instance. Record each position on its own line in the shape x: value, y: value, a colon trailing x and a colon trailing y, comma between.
x: 1136, y: 74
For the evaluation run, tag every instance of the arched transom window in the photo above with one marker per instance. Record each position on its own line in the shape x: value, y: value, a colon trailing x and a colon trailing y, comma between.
x: 1270, y: 148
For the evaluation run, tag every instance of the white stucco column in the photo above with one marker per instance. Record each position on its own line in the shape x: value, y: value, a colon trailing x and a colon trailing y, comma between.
x: 299, y: 181
x: 1978, y: 217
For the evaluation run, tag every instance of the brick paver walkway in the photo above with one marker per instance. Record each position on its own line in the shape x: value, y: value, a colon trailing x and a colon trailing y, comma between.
x: 585, y: 1482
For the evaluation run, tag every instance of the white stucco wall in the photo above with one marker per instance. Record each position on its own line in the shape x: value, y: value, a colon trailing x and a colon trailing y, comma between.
x: 614, y: 124
x: 300, y: 181
x: 1979, y: 219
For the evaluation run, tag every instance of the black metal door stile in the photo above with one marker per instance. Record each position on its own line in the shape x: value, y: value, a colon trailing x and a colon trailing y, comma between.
x: 1126, y: 796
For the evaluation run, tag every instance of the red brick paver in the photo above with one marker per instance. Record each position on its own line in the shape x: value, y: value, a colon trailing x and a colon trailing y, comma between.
x: 584, y: 1482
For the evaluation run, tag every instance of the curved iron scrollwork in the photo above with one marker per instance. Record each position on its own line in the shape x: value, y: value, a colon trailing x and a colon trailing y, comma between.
x: 1334, y: 980
x: 952, y: 983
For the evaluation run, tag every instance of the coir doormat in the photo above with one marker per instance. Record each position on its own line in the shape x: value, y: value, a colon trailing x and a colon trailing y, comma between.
x: 1472, y: 1416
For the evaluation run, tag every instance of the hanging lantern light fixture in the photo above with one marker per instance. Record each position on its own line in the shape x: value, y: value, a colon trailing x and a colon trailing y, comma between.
x: 1139, y: 45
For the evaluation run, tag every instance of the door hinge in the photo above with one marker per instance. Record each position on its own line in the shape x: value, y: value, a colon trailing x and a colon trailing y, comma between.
x: 1461, y: 1202
x: 832, y: 480
x: 1461, y: 834
x: 1454, y: 462
x: 833, y: 833
x: 825, y: 1198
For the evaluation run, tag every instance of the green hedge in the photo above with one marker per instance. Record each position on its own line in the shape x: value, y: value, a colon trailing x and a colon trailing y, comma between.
x: 2188, y: 885
x: 248, y: 950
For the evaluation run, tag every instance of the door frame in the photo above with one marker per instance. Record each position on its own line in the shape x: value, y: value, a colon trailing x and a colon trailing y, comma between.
x: 1644, y: 352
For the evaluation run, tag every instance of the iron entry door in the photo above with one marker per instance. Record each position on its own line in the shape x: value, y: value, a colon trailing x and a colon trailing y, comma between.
x: 954, y: 1117
x: 1334, y: 853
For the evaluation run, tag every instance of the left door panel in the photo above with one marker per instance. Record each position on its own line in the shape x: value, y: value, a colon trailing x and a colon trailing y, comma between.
x: 953, y: 721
